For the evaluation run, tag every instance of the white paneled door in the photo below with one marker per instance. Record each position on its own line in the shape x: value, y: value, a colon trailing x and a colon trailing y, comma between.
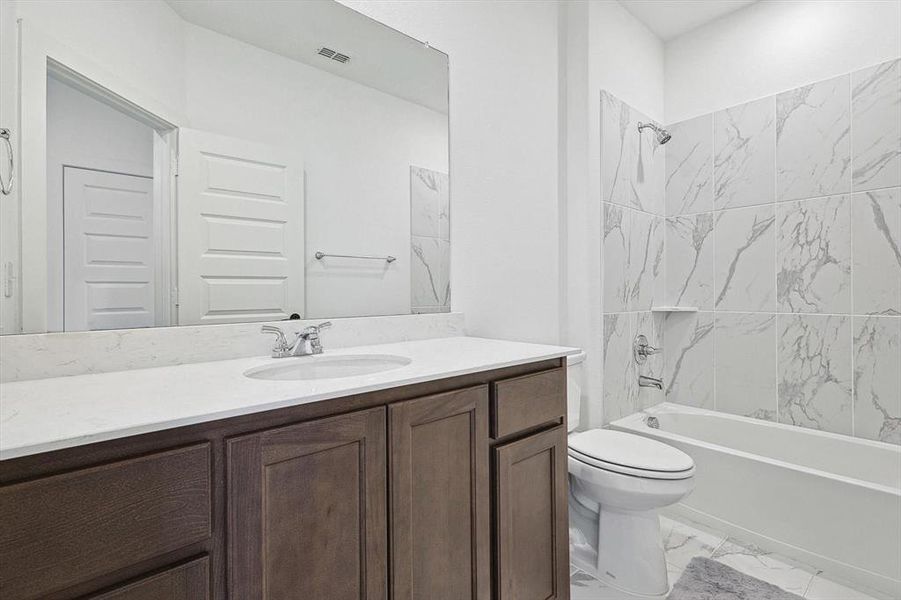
x: 109, y: 250
x: 240, y: 230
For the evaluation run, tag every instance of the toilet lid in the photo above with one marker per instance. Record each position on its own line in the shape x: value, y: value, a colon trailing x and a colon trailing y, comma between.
x: 630, y: 450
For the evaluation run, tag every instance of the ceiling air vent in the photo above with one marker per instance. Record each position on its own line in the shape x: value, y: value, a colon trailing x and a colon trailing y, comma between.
x: 329, y: 53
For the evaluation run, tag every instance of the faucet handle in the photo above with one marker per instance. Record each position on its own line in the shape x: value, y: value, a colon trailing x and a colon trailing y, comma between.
x: 641, y: 349
x: 281, y: 342
x: 308, y: 340
x: 315, y: 328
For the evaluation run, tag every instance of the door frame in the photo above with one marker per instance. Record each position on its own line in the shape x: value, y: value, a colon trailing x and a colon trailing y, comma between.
x: 41, y: 56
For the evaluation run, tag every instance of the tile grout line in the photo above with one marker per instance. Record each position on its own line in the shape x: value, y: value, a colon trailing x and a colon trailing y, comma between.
x: 853, y: 382
x: 809, y: 583
x: 850, y: 192
x: 778, y: 349
x: 773, y: 312
x: 718, y: 546
x: 713, y: 392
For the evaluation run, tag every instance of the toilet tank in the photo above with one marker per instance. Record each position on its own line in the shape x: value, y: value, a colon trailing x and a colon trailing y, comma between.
x: 574, y: 367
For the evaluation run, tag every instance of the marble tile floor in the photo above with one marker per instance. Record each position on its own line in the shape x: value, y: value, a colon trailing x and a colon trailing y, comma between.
x: 684, y: 540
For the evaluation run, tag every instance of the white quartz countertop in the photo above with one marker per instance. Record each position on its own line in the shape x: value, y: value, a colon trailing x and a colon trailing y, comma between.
x: 62, y: 412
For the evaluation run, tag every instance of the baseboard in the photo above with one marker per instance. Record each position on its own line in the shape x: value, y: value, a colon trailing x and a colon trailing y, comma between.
x: 831, y: 568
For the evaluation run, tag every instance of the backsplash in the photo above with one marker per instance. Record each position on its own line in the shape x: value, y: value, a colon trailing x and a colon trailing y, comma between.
x: 632, y: 184
x: 783, y: 227
x: 37, y: 356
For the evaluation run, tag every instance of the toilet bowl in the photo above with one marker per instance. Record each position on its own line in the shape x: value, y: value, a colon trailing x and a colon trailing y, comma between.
x: 617, y: 481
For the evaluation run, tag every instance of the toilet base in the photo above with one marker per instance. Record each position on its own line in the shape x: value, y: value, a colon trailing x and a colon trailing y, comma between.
x: 622, y: 549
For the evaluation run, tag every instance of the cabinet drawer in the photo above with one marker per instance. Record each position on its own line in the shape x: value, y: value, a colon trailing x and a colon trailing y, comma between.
x: 190, y: 581
x: 526, y: 402
x: 67, y: 529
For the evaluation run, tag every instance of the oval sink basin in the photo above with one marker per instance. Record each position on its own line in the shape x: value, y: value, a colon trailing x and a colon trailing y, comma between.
x: 327, y: 367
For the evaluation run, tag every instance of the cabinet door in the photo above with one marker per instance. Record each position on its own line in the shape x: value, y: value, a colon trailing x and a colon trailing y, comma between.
x: 306, y: 511
x: 440, y: 497
x: 532, y: 518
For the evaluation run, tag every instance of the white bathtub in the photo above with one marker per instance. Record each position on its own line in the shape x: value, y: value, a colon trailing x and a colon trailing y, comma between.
x: 829, y: 500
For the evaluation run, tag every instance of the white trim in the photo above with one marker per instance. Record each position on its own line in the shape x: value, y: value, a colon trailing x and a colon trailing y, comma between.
x: 164, y: 153
x: 97, y: 91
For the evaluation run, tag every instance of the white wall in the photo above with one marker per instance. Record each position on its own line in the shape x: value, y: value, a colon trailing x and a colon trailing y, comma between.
x: 774, y: 46
x: 605, y: 48
x: 503, y: 119
x: 84, y: 132
x: 141, y: 42
x: 358, y: 145
x: 626, y: 58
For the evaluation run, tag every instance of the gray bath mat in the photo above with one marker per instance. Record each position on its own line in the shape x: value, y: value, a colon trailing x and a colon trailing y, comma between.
x: 706, y: 579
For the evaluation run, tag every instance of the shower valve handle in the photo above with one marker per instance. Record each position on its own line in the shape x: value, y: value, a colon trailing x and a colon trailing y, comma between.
x: 641, y: 349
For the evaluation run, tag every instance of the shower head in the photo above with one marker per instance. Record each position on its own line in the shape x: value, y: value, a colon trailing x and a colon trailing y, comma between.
x: 662, y: 135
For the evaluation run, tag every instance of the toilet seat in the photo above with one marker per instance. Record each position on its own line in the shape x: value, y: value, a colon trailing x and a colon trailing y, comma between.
x: 630, y: 454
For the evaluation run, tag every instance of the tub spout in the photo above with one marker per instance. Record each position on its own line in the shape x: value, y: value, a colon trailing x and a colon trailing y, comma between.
x: 645, y: 381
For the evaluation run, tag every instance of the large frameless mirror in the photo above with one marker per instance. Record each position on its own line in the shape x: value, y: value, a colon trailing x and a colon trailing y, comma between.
x: 224, y: 161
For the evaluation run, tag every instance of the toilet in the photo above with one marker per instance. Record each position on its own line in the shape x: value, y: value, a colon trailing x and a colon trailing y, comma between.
x: 617, y: 482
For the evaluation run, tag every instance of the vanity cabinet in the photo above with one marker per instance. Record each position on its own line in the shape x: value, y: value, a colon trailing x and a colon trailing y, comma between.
x: 188, y: 581
x: 306, y: 510
x: 531, y: 524
x: 65, y: 529
x: 532, y: 527
x: 440, y: 497
x: 445, y: 490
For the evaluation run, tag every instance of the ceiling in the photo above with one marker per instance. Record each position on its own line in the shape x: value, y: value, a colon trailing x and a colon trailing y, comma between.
x: 669, y: 19
x: 380, y: 57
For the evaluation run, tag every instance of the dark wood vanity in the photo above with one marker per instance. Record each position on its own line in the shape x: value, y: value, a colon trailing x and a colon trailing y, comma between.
x: 449, y: 489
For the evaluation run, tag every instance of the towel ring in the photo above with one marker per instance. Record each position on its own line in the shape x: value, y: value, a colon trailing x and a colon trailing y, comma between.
x: 7, y: 188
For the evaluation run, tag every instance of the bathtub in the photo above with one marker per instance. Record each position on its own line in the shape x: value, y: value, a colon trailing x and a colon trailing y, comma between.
x: 829, y: 500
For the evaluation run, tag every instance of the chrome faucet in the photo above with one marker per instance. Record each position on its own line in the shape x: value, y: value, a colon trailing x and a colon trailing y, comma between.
x: 306, y: 342
x: 645, y: 381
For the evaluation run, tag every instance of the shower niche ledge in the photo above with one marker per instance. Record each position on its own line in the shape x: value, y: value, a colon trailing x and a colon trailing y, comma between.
x: 674, y: 309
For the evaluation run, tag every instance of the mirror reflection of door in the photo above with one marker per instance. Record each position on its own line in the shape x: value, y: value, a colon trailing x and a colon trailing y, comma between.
x: 239, y: 223
x: 101, y: 211
x: 240, y: 230
x: 109, y: 259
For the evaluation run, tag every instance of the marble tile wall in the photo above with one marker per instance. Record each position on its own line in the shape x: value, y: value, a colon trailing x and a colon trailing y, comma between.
x: 430, y: 241
x: 632, y: 184
x: 783, y: 228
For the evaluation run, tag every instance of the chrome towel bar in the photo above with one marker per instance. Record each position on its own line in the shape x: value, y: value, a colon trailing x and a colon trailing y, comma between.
x: 320, y: 255
x: 6, y: 188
